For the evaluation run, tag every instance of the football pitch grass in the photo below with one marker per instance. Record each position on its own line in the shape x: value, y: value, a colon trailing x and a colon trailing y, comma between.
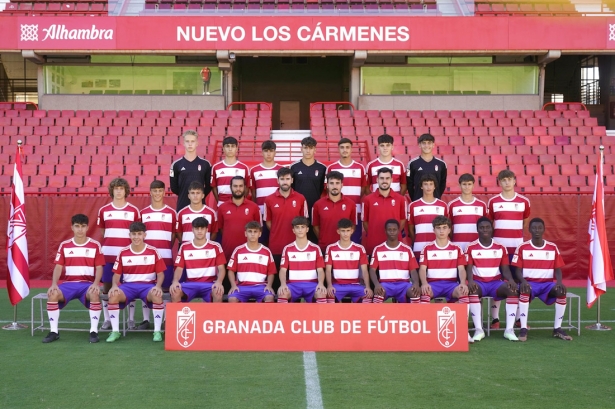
x: 135, y: 372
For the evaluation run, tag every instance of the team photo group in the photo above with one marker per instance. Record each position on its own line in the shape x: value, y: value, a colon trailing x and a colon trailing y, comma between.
x: 306, y: 231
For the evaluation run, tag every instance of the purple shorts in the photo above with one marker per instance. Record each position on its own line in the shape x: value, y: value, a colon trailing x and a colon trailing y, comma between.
x: 246, y: 292
x: 74, y: 290
x: 196, y: 290
x: 396, y: 289
x: 168, y: 277
x: 490, y: 288
x: 107, y: 276
x: 542, y: 290
x: 136, y: 291
x: 305, y: 290
x: 355, y: 291
x: 444, y: 289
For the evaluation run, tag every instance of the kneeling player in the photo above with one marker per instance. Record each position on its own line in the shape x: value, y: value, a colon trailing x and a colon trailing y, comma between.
x: 396, y: 266
x: 487, y: 264
x: 441, y: 263
x: 344, y: 261
x: 204, y: 262
x: 253, y: 263
x: 303, y: 261
x: 142, y: 270
x: 83, y: 259
x: 538, y: 261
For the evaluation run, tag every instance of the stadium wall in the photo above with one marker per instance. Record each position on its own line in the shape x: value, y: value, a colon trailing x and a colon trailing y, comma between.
x: 48, y: 217
x: 450, y: 102
x: 131, y: 102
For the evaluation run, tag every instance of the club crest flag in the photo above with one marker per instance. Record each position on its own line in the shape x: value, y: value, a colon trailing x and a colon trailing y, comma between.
x: 18, y: 279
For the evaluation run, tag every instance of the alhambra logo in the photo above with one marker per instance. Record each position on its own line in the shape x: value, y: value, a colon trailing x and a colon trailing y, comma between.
x: 30, y: 32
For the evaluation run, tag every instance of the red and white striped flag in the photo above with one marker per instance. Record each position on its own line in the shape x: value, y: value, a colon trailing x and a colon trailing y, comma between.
x: 600, y: 268
x: 18, y: 280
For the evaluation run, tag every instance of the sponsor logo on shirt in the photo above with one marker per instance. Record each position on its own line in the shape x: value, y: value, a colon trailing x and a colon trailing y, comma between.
x: 420, y: 169
x: 183, y: 168
x: 300, y: 173
x: 228, y: 212
x: 276, y: 205
x: 376, y: 204
x: 326, y: 208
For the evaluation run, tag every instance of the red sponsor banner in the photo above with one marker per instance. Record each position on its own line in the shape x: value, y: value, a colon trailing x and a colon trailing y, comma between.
x: 316, y: 327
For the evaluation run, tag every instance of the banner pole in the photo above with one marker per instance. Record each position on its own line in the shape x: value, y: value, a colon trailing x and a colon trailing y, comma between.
x: 598, y: 326
x: 14, y: 325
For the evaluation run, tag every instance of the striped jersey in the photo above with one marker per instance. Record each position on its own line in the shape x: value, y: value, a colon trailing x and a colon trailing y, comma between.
x: 420, y: 215
x: 302, y: 264
x: 355, y: 179
x: 265, y: 181
x: 393, y: 264
x: 80, y: 260
x: 399, y: 173
x: 508, y: 216
x: 161, y: 225
x: 187, y: 215
x: 442, y: 262
x: 486, y: 261
x: 538, y: 263
x: 464, y: 217
x: 116, y: 222
x: 140, y: 267
x: 221, y: 176
x: 252, y: 267
x: 345, y: 262
x: 201, y: 262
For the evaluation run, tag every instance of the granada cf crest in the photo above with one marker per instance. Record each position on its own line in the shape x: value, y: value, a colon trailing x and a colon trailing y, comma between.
x: 393, y: 202
x: 316, y: 173
x: 294, y: 203
x: 199, y: 168
x: 447, y: 327
x: 247, y: 211
x: 343, y: 207
x: 185, y: 327
x: 436, y: 167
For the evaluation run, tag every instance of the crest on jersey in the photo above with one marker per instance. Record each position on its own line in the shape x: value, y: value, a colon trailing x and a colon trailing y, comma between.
x: 516, y: 206
x: 294, y: 203
x: 447, y: 327
x: 125, y: 214
x: 186, y: 327
x: 87, y: 252
x: 145, y: 259
x: 199, y: 168
x: 237, y: 172
x: 354, y: 172
x: 436, y: 168
x: 343, y: 207
x: 393, y: 202
x: 247, y: 211
x: 316, y: 173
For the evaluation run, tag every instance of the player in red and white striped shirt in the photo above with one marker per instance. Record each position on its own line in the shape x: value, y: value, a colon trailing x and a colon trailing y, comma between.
x: 464, y: 212
x: 204, y: 263
x: 539, y: 262
x: 252, y: 266
x: 142, y: 270
x: 386, y: 160
x: 396, y: 267
x: 196, y: 209
x: 442, y: 268
x: 114, y: 220
x: 303, y: 261
x: 487, y: 264
x: 225, y: 170
x: 422, y: 212
x: 344, y: 262
x: 83, y: 259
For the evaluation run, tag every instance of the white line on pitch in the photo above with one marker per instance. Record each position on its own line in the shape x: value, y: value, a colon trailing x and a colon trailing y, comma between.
x: 312, y: 381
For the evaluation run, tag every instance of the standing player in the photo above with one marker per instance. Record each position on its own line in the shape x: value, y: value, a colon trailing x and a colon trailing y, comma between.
x: 386, y: 160
x: 142, y: 270
x: 252, y: 265
x: 204, y: 262
x: 303, y: 261
x: 355, y: 180
x: 344, y: 261
x: 330, y: 209
x: 225, y: 170
x: 195, y: 209
x: 425, y: 164
x: 280, y: 209
x: 380, y: 206
x: 396, y: 267
x: 538, y: 262
x: 190, y: 168
x: 442, y: 270
x: 487, y: 262
x: 83, y: 259
x: 510, y: 212
x: 160, y: 221
x: 114, y: 221
x: 422, y: 212
x: 464, y: 212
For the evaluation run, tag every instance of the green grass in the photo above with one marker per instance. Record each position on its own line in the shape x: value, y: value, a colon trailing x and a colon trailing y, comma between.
x: 137, y: 373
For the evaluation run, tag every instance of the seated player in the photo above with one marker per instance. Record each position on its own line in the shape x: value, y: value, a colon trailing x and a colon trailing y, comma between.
x: 487, y: 263
x: 396, y: 267
x: 441, y: 266
x: 538, y: 261
x: 142, y: 269
x: 84, y: 261
x: 204, y: 262
x: 303, y: 261
x: 344, y: 261
x: 253, y: 264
